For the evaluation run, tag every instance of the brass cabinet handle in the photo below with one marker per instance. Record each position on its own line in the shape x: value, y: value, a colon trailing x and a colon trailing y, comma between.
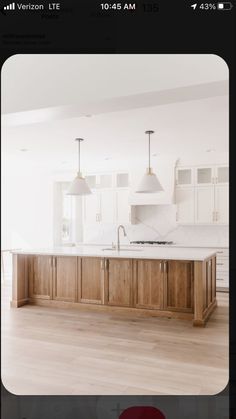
x: 106, y: 264
x: 102, y: 264
x: 97, y: 217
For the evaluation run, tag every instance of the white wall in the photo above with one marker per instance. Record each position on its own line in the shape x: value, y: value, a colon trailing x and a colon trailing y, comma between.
x: 27, y: 204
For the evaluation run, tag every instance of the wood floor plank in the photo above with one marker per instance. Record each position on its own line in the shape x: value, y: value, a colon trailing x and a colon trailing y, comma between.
x: 65, y: 351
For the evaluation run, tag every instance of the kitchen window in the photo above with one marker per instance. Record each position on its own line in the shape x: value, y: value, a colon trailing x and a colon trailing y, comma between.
x: 64, y: 215
x: 67, y: 217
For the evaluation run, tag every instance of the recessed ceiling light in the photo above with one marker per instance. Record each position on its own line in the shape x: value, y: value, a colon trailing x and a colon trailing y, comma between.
x: 155, y: 154
x: 210, y: 150
x: 24, y: 149
x: 107, y: 158
x: 88, y: 115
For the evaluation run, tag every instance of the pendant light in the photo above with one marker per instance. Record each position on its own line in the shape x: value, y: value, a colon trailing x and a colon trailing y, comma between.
x: 79, y: 185
x: 149, y: 182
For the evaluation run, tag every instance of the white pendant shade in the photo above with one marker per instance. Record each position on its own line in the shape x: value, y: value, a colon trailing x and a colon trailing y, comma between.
x: 79, y: 186
x: 149, y: 184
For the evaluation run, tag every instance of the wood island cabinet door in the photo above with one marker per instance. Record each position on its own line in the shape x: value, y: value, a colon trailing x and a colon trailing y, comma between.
x: 65, y: 278
x: 40, y: 277
x: 91, y: 280
x: 149, y: 284
x: 178, y: 280
x: 118, y: 282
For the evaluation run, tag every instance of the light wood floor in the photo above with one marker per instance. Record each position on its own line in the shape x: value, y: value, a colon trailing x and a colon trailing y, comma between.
x: 58, y: 351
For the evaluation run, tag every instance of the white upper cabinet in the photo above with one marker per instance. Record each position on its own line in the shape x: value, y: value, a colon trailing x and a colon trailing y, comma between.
x: 185, y: 205
x: 99, y: 207
x: 91, y: 181
x: 91, y: 208
x: 107, y: 208
x: 222, y: 204
x: 207, y: 190
x: 204, y: 176
x: 222, y: 175
x: 102, y: 181
x: 184, y: 177
x: 204, y: 205
x: 122, y: 180
x: 109, y: 201
x: 105, y: 181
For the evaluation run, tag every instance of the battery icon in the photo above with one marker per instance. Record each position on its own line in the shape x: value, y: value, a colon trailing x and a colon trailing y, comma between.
x: 224, y: 6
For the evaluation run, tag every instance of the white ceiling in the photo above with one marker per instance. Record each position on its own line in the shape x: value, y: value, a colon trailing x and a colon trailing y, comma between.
x: 182, y: 97
x: 41, y: 81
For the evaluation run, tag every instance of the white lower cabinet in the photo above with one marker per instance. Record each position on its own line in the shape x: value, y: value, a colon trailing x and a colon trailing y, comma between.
x: 185, y: 205
x: 204, y: 205
x: 222, y: 269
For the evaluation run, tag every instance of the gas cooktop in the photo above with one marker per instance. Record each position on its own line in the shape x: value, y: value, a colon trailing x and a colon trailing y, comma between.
x: 151, y: 242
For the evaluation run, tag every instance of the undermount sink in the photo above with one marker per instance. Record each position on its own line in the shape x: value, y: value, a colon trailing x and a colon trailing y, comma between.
x: 123, y: 249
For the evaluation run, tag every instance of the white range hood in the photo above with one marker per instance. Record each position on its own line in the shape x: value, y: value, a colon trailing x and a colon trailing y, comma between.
x: 164, y: 167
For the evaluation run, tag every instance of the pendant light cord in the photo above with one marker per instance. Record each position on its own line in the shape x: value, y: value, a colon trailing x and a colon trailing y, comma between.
x: 149, y: 159
x: 79, y: 155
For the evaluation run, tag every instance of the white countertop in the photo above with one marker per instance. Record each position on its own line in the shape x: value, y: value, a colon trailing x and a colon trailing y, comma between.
x: 175, y: 244
x: 168, y: 253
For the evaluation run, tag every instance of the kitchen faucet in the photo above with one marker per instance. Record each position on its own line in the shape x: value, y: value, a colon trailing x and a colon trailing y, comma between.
x: 118, y: 235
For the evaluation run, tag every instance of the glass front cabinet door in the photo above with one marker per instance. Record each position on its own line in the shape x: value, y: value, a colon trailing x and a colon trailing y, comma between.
x: 184, y: 176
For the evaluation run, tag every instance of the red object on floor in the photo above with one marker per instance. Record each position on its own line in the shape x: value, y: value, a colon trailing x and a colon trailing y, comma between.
x: 142, y: 412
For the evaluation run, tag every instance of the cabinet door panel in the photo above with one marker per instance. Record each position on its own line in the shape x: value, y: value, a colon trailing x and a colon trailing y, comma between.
x: 204, y: 205
x: 91, y: 281
x: 184, y: 177
x: 91, y: 208
x: 119, y: 282
x: 185, y: 205
x: 149, y: 284
x: 65, y: 278
x: 179, y: 286
x: 107, y: 206
x: 222, y: 204
x: 40, y: 285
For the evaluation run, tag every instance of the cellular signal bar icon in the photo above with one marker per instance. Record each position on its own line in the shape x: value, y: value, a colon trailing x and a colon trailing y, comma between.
x: 9, y: 7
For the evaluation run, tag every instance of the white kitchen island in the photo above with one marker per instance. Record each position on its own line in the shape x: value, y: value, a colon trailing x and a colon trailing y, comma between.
x: 171, y: 282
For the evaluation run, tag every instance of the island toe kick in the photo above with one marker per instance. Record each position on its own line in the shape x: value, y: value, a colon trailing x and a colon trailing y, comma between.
x: 184, y: 289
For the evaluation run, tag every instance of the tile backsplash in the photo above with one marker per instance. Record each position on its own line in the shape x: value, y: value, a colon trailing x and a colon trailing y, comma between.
x: 158, y: 223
